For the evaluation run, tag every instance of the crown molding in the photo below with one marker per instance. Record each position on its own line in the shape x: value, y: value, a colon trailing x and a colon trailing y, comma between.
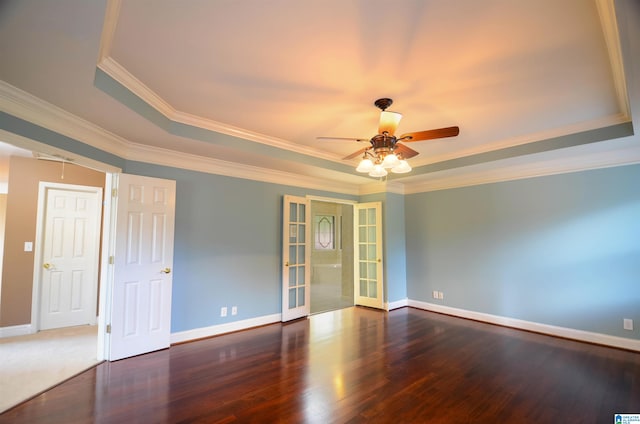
x: 30, y: 108
x: 40, y: 149
x: 129, y: 81
x: 111, y: 15
x: 172, y: 158
x: 474, y: 176
x: 119, y: 73
x: 594, y: 124
x: 607, y: 13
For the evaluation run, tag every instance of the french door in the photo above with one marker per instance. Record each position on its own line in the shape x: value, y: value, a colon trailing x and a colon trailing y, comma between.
x: 368, y: 255
x: 296, y: 256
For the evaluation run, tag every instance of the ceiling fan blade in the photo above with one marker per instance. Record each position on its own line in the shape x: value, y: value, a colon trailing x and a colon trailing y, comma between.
x: 355, y: 154
x: 404, y: 151
x: 343, y: 138
x: 430, y: 134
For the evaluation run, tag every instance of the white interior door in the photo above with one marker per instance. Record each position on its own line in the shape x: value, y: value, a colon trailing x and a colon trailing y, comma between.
x: 296, y: 255
x: 369, y: 289
x: 69, y: 254
x: 143, y: 259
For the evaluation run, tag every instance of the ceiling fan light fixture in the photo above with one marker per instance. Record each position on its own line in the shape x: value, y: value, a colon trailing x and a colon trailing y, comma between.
x: 389, y: 122
x: 378, y: 171
x: 365, y: 165
x: 390, y: 161
x: 402, y: 167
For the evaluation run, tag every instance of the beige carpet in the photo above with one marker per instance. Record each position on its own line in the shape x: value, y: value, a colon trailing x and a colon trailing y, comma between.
x: 31, y: 364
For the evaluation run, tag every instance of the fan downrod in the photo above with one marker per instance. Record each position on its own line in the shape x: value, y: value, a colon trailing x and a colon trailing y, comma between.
x: 383, y: 103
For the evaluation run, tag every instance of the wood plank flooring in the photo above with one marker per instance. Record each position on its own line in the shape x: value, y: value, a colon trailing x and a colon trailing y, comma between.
x: 350, y: 366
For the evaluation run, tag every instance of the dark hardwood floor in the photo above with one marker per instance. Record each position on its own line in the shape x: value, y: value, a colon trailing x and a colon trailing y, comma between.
x: 354, y: 365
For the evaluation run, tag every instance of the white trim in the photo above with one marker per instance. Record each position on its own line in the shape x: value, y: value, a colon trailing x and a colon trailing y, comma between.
x: 16, y: 330
x: 215, y: 330
x: 552, y: 330
x: 39, y: 112
x: 111, y: 15
x: 207, y: 165
x: 607, y: 13
x: 118, y: 72
x: 594, y: 124
x: 397, y: 304
x: 32, y: 109
x: 330, y: 200
x: 107, y: 249
x: 475, y: 175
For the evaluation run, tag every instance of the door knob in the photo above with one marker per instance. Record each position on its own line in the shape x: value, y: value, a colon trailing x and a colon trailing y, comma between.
x: 166, y: 271
x: 47, y: 265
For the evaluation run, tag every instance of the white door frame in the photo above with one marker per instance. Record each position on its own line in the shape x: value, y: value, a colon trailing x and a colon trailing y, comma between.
x: 43, y: 187
x: 107, y: 252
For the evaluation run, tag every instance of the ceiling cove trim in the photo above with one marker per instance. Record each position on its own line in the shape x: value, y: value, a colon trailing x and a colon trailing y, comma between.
x: 175, y: 159
x: 32, y: 109
x: 126, y: 97
x: 122, y: 76
x: 119, y: 73
x: 607, y: 13
x: 36, y: 111
x: 590, y: 161
x: 580, y: 127
x: 106, y: 63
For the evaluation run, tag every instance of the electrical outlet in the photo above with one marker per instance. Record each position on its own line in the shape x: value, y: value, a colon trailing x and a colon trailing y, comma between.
x: 440, y: 295
x: 234, y: 310
x: 627, y: 324
x: 435, y: 294
x: 223, y: 311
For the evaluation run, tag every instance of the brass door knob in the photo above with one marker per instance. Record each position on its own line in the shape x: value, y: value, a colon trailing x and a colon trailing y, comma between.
x: 47, y: 265
x: 166, y: 271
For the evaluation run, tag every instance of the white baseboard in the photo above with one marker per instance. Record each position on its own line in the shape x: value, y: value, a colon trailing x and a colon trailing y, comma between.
x: 16, y: 330
x: 215, y: 330
x: 397, y: 304
x: 568, y: 333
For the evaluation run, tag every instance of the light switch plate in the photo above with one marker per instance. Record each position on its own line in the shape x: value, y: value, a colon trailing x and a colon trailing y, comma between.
x: 28, y: 246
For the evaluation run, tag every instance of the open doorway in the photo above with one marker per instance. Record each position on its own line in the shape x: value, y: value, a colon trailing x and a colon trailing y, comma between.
x: 67, y: 350
x: 332, y: 258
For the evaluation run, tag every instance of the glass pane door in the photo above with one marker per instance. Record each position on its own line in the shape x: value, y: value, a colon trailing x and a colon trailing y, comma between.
x: 368, y: 270
x: 296, y: 258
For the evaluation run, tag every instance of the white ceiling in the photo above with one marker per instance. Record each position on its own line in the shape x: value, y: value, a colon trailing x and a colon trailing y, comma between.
x: 276, y: 74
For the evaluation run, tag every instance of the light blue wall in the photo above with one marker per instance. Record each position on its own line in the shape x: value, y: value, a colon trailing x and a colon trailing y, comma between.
x: 561, y: 250
x: 228, y: 239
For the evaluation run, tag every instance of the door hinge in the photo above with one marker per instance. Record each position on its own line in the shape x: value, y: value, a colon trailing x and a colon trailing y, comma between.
x: 114, y: 192
x: 108, y: 328
x: 111, y: 260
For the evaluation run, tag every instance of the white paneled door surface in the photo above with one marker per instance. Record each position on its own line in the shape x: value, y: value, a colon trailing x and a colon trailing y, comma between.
x: 70, y: 248
x: 143, y: 261
x: 368, y: 255
x: 296, y: 255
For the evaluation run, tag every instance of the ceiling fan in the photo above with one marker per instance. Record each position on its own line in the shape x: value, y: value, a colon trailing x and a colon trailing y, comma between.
x: 385, y: 151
